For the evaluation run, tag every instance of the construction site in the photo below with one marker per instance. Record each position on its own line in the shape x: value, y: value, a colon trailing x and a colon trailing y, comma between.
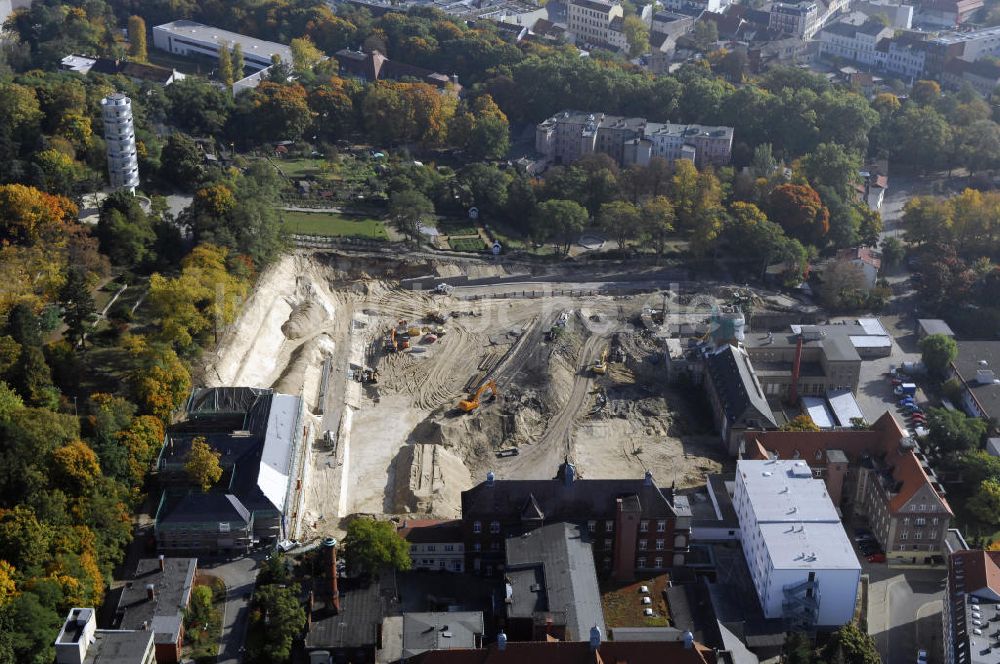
x: 421, y: 375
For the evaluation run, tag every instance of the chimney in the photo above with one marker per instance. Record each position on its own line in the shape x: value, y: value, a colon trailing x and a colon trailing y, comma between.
x: 688, y: 640
x: 793, y: 392
x: 162, y: 563
x: 626, y: 534
x: 150, y: 591
x: 595, y: 638
x: 648, y: 479
x: 501, y: 641
x: 490, y: 478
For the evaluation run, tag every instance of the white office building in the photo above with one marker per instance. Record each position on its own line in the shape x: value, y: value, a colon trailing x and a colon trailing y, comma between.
x: 119, y: 136
x: 190, y: 38
x: 800, y: 559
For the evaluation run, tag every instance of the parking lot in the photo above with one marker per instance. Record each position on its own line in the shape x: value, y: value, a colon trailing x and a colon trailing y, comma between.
x: 875, y: 392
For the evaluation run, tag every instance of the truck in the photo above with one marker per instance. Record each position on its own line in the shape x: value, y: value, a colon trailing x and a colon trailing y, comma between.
x: 908, y: 389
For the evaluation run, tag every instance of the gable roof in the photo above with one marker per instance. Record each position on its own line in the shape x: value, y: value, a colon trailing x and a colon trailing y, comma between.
x: 882, y: 441
x: 981, y: 570
x: 440, y: 631
x: 863, y: 254
x: 430, y: 531
x: 731, y: 372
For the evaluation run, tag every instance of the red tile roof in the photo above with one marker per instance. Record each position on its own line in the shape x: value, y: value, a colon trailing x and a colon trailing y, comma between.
x: 558, y: 652
x: 881, y: 440
x: 863, y: 254
x: 981, y: 570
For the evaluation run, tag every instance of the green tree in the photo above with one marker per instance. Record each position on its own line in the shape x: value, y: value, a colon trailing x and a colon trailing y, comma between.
x: 893, y: 252
x: 561, y: 220
x: 800, y: 423
x: 35, y: 379
x: 78, y: 305
x: 985, y: 503
x: 372, y: 545
x: 182, y: 161
x: 832, y: 165
x: 10, y: 402
x: 202, y: 465
x: 407, y: 209
x: 199, y: 611
x: 276, y: 621
x: 224, y: 72
x: 851, y: 645
x: 621, y: 220
x: 124, y: 231
x: 274, y: 570
x: 137, y: 38
x: 198, y: 106
x: 280, y: 111
x: 800, y: 211
x: 798, y: 649
x: 305, y: 55
x: 657, y: 217
x: 239, y: 65
x: 704, y: 35
x: 487, y: 185
x: 938, y: 351
x: 637, y: 35
x: 925, y: 93
x: 953, y: 432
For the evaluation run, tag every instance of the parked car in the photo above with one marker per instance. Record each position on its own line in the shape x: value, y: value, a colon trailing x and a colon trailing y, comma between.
x: 876, y: 558
x: 287, y: 545
x: 509, y: 452
x: 869, y: 548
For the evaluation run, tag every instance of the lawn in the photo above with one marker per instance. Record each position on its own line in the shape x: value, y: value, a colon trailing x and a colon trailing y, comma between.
x: 456, y: 229
x: 623, y: 603
x: 300, y: 167
x: 334, y: 225
x: 466, y: 243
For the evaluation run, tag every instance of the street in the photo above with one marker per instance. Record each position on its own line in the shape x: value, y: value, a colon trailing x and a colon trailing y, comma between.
x: 905, y: 612
x: 239, y: 576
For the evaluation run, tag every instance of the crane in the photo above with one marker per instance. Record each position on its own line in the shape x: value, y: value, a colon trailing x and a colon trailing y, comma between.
x: 473, y: 403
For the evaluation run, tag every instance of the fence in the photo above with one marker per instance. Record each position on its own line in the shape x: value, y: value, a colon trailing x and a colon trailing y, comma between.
x: 556, y: 292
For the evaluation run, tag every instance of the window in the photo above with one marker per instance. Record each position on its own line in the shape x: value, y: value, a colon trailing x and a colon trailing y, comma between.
x: 413, y: 547
x: 456, y: 565
x: 661, y: 526
x: 641, y: 563
x: 431, y: 548
x: 642, y: 544
x: 918, y: 535
x: 904, y: 535
x: 659, y: 545
x: 658, y: 563
x: 592, y: 526
x: 449, y: 547
x: 643, y: 526
x: 477, y: 546
x: 934, y: 521
x: 906, y: 520
x: 920, y: 522
x: 609, y: 526
x: 607, y: 545
x: 477, y: 527
x: 441, y: 564
x: 494, y: 527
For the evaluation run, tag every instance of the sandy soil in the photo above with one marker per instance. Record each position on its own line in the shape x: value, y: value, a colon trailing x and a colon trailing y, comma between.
x: 401, y: 446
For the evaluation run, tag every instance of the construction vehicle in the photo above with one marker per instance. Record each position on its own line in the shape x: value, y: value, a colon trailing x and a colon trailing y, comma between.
x: 473, y: 402
x: 390, y: 344
x: 444, y: 289
x: 600, y: 367
x: 436, y: 316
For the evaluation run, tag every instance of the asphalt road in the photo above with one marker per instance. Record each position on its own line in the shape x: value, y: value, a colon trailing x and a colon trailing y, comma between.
x: 239, y: 575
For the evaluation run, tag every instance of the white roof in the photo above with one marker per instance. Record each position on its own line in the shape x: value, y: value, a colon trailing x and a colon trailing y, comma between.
x: 844, y: 407
x: 78, y: 63
x: 808, y: 546
x: 276, y: 457
x: 873, y: 326
x: 785, y: 492
x: 816, y: 408
x: 200, y: 32
x: 870, y: 341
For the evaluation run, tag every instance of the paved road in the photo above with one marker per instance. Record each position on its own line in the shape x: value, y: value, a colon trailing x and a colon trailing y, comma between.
x: 239, y: 576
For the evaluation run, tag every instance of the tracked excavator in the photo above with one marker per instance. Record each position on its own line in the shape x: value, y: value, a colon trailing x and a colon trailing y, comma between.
x: 600, y: 367
x: 473, y: 403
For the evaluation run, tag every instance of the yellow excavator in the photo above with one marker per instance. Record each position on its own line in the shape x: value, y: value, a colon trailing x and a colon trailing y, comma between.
x: 473, y: 403
x: 600, y: 367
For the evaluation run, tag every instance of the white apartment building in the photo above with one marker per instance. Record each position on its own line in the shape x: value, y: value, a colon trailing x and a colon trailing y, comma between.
x: 801, y: 562
x: 853, y: 42
x: 189, y: 38
x: 592, y: 22
x: 798, y: 19
x: 697, y: 5
x: 435, y: 545
x: 119, y: 136
x: 906, y: 59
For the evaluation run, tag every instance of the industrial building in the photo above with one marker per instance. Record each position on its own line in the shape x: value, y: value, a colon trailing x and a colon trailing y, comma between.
x: 190, y: 38
x: 119, y: 137
x: 261, y: 438
x: 801, y: 561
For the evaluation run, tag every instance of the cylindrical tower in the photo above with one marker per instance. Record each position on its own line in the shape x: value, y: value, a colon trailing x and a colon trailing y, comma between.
x: 119, y: 134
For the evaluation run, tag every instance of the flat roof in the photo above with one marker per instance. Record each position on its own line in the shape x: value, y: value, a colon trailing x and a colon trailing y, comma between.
x: 808, y: 546
x: 870, y: 341
x: 439, y: 630
x: 279, y: 444
x: 114, y: 647
x: 783, y: 491
x: 209, y: 34
x: 934, y: 326
x: 818, y: 412
x: 844, y: 406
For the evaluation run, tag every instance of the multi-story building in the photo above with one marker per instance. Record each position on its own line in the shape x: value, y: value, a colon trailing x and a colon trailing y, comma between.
x: 801, y: 562
x: 877, y: 473
x: 434, y: 544
x: 570, y: 135
x: 982, y: 75
x: 946, y: 13
x: 971, y: 608
x: 155, y: 600
x: 976, y: 369
x: 590, y: 21
x: 904, y: 56
x: 735, y: 394
x: 699, y: 6
x: 119, y: 137
x: 189, y: 38
x: 852, y: 42
x: 261, y: 438
x: 634, y: 524
x: 80, y: 642
x: 799, y: 19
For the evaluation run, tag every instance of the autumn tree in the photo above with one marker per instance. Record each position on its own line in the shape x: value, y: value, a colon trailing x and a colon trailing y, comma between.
x: 159, y: 379
x: 985, y: 503
x: 637, y: 35
x: 372, y: 545
x: 561, y: 220
x: 137, y: 38
x: 800, y: 423
x: 799, y: 210
x: 224, y: 71
x: 239, y: 64
x: 622, y: 220
x: 407, y: 113
x: 142, y: 440
x: 29, y: 216
x: 657, y: 215
x: 202, y: 465
x: 305, y: 55
x: 280, y: 111
x: 75, y: 468
x: 481, y: 129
